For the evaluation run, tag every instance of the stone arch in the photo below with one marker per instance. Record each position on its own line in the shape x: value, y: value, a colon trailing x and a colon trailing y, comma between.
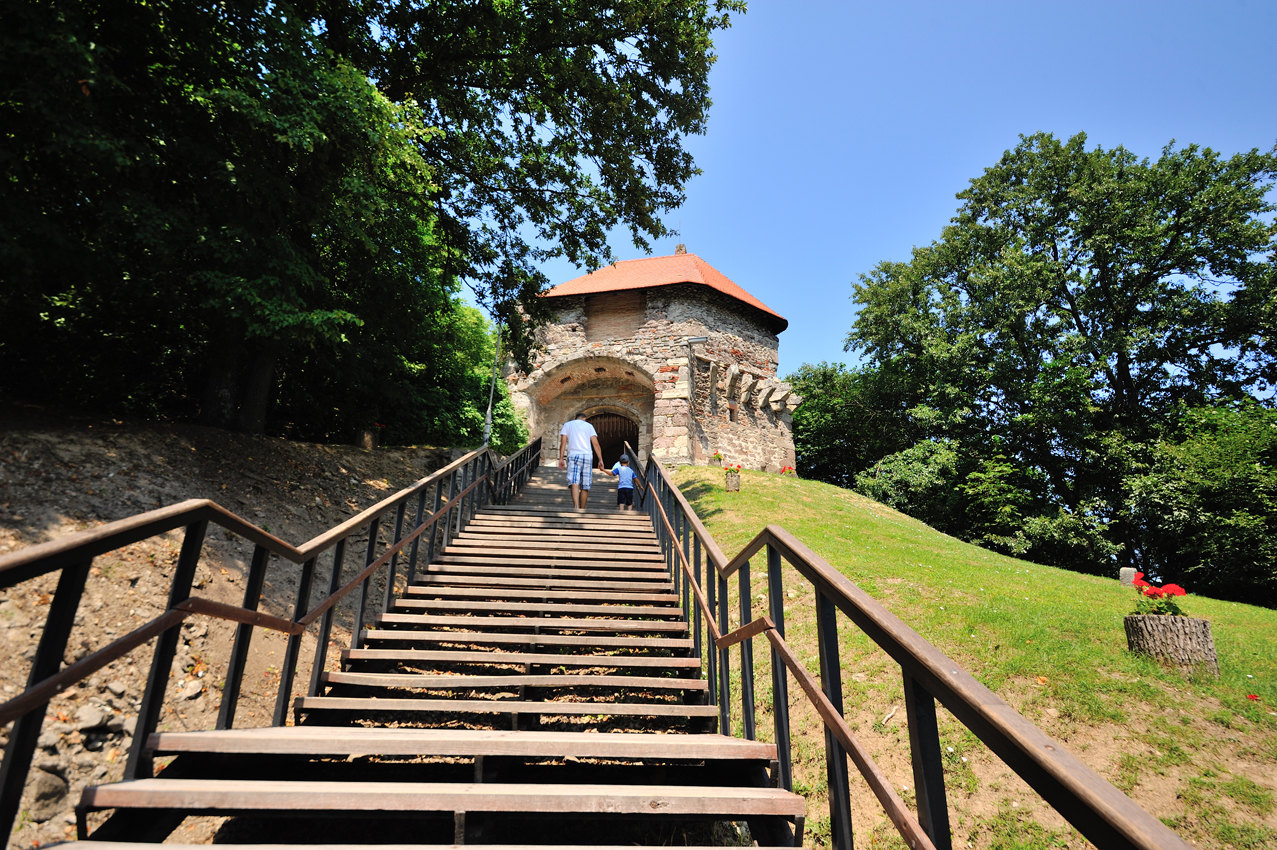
x: 596, y: 386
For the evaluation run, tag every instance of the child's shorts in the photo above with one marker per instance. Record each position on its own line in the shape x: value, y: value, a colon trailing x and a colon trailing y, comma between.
x: 625, y: 495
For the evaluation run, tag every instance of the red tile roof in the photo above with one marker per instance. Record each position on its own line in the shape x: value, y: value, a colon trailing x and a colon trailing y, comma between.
x: 662, y: 271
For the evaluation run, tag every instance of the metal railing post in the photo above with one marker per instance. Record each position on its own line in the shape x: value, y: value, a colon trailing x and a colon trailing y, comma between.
x: 671, y: 535
x: 24, y: 737
x: 447, y: 520
x: 459, y: 515
x: 243, y: 638
x: 928, y: 767
x: 680, y: 541
x: 835, y: 753
x: 491, y: 473
x: 394, y: 559
x: 326, y: 621
x: 148, y: 714
x: 467, y: 478
x: 370, y: 555
x: 416, y: 541
x: 288, y: 665
x: 780, y: 678
x: 746, y: 657
x: 724, y: 660
x: 435, y: 529
x: 696, y: 609
x: 711, y: 651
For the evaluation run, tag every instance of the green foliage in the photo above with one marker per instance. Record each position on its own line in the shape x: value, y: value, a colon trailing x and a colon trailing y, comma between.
x: 205, y: 199
x: 1079, y: 300
x: 996, y: 498
x: 1207, y: 504
x: 848, y: 419
x: 561, y: 121
x: 209, y: 208
x: 920, y: 481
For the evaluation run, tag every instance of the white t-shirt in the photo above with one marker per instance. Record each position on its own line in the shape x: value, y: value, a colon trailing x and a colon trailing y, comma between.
x: 579, y: 433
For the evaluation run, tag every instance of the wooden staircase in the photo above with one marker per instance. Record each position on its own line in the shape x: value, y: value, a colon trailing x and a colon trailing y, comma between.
x: 536, y: 685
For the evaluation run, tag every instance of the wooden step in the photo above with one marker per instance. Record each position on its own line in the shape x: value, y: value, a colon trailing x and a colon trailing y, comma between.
x: 602, y: 548
x: 534, y: 507
x: 569, y: 524
x: 551, y: 566
x: 530, y: 641
x: 558, y: 681
x: 392, y: 705
x: 623, y: 523
x: 682, y: 666
x: 407, y: 605
x: 582, y: 583
x: 250, y: 795
x: 440, y: 591
x: 357, y: 740
x: 640, y: 541
x: 512, y: 622
x: 605, y: 555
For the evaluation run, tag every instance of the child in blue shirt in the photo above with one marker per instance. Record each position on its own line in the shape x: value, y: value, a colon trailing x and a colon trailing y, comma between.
x: 625, y: 481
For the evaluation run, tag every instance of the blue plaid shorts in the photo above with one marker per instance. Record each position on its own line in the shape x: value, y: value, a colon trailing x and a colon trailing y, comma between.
x: 579, y: 469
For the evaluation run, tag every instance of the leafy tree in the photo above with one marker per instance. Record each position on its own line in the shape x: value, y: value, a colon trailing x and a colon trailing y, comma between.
x: 560, y: 121
x: 847, y: 421
x: 1078, y: 299
x: 996, y: 497
x: 207, y: 206
x: 920, y: 481
x: 199, y: 192
x: 1207, y: 506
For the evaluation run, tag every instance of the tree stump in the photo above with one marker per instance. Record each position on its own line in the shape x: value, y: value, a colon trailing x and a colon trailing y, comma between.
x: 733, y: 482
x: 1185, y: 642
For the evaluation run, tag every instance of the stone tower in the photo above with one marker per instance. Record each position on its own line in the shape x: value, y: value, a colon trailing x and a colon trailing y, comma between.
x: 668, y: 354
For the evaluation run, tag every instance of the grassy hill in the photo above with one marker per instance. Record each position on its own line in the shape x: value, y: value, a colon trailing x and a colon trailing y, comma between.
x: 1197, y: 751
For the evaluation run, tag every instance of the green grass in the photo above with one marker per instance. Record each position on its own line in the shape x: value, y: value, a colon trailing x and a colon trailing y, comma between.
x: 1049, y: 641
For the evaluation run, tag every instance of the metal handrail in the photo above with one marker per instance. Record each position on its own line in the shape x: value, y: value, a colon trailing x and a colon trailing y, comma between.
x: 1101, y: 812
x: 71, y: 557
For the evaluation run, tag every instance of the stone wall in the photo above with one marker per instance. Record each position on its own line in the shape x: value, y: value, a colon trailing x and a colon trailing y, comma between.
x: 628, y: 352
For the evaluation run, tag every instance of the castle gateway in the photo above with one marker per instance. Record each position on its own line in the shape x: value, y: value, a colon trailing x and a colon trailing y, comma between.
x: 667, y: 354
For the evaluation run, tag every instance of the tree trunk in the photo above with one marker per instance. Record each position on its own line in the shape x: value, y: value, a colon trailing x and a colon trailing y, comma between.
x: 221, y: 392
x: 1183, y: 641
x: 258, y: 389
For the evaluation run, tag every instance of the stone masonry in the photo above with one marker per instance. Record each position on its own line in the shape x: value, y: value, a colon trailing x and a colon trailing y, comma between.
x: 693, y: 368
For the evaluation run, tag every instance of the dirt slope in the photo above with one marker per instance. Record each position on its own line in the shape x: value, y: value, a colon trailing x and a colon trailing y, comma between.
x: 60, y: 474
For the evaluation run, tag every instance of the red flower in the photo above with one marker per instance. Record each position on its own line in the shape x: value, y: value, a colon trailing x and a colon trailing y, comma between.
x: 1255, y: 697
x: 1174, y: 590
x: 1138, y: 581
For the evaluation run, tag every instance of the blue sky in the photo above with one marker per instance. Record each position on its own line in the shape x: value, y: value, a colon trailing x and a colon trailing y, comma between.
x: 841, y: 131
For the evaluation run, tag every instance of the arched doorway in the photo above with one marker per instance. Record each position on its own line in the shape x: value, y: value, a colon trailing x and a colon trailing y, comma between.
x: 614, y: 431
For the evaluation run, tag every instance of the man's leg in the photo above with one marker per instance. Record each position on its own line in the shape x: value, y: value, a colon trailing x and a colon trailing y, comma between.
x: 574, y: 479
